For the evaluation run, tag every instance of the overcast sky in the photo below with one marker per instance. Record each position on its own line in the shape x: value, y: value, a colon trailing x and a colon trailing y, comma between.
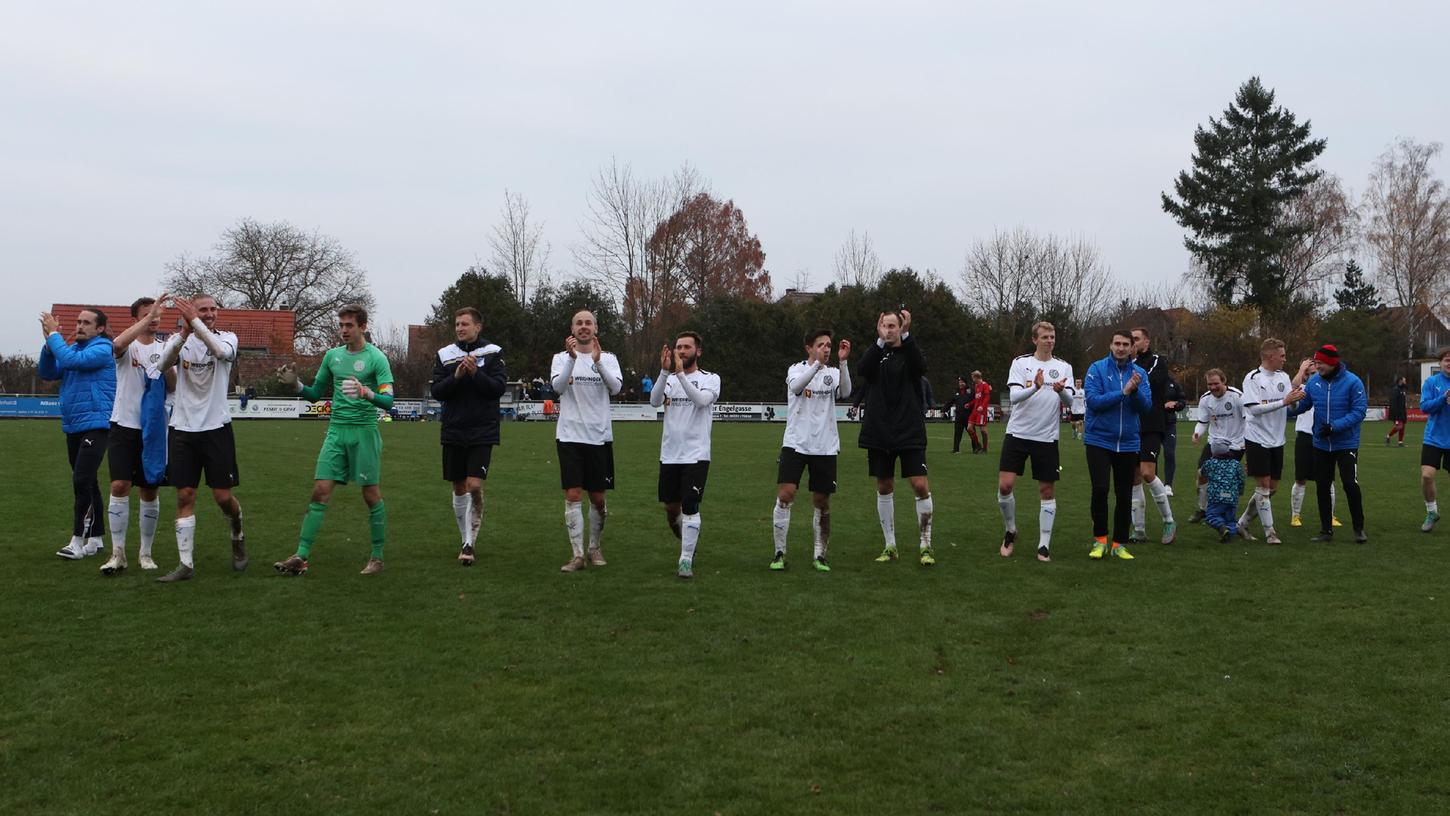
x: 131, y: 132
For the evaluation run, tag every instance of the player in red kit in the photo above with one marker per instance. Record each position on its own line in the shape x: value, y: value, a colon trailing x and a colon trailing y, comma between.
x: 977, y: 423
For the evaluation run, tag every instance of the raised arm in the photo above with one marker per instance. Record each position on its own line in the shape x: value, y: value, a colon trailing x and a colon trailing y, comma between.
x: 843, y: 388
x: 657, y: 389
x: 562, y: 373
x: 171, y: 351
x: 93, y: 357
x: 321, y: 386
x: 798, y: 385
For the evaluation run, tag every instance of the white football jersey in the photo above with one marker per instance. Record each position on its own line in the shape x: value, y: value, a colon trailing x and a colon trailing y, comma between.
x: 1304, y: 423
x: 139, y: 363
x: 202, y: 382
x: 1079, y: 403
x: 810, y: 424
x: 686, y: 436
x: 1224, y: 416
x: 1038, y: 417
x: 1266, y: 388
x: 584, y: 405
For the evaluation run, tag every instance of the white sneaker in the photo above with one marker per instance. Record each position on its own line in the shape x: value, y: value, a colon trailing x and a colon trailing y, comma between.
x: 94, y: 545
x: 73, y: 551
x: 117, y: 563
x: 1168, y: 489
x: 147, y: 563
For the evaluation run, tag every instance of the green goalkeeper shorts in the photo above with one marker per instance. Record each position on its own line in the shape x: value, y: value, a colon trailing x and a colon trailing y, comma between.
x: 351, y: 453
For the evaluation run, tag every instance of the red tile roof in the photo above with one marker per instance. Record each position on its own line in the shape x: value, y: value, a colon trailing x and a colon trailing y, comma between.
x: 256, y: 329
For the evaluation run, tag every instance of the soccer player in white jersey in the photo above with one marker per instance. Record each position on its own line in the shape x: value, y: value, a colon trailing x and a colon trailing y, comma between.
x: 1039, y: 385
x: 1268, y: 390
x: 688, y: 395
x: 138, y: 368
x: 811, y: 441
x: 585, y: 377
x: 201, y: 428
x: 1221, y: 416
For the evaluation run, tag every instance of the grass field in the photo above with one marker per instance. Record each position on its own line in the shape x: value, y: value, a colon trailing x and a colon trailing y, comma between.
x: 1199, y: 678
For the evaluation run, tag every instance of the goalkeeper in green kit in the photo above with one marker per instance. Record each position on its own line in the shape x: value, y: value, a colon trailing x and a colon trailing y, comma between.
x: 358, y: 378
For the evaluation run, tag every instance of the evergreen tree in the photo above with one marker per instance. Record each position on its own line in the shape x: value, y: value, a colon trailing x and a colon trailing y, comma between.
x: 1247, y: 166
x: 1357, y: 294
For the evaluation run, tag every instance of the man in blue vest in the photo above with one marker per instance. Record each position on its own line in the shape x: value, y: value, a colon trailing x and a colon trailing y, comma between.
x: 87, y: 373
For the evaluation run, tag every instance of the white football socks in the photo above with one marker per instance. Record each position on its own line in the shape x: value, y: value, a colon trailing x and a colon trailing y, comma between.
x: 574, y: 523
x: 780, y: 525
x: 689, y: 535
x: 1007, y: 505
x: 1159, y: 492
x: 185, y: 539
x: 1296, y: 499
x: 1203, y: 496
x: 821, y: 527
x: 1140, y: 513
x: 150, y: 520
x: 1045, y: 517
x: 923, y: 520
x: 596, y: 525
x: 120, y: 518
x: 886, y: 514
x: 1432, y: 507
x: 461, y: 506
x: 1266, y: 511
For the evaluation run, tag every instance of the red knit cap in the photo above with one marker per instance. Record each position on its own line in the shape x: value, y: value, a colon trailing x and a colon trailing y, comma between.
x: 1327, y: 354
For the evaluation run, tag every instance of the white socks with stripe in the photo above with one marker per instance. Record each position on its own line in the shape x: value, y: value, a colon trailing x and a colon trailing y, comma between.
x: 150, y: 520
x: 1159, y: 493
x: 689, y: 535
x: 186, y: 539
x: 886, y: 514
x: 461, y: 506
x: 119, y: 515
x: 1045, y: 517
x: 780, y: 525
x: 923, y: 520
x: 574, y: 523
x: 1007, y: 506
x: 596, y: 524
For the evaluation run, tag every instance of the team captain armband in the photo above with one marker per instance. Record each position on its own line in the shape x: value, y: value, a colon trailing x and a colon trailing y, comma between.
x: 385, y: 388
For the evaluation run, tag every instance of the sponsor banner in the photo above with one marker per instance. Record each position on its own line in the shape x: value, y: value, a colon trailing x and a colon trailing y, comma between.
x: 265, y: 409
x: 30, y: 407
x: 1416, y: 415
x: 408, y: 408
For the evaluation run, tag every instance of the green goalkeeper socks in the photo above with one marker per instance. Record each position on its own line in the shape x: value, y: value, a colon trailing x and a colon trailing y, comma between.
x: 378, y: 524
x: 311, y: 525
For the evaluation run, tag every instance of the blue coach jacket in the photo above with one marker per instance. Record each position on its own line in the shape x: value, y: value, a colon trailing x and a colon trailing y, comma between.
x: 1112, y: 420
x: 1340, y: 404
x: 87, y: 373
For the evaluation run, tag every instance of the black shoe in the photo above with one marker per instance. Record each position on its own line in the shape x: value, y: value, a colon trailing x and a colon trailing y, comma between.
x: 465, y: 555
x: 1323, y: 538
x: 1197, y: 517
x: 1360, y: 537
x: 1224, y: 534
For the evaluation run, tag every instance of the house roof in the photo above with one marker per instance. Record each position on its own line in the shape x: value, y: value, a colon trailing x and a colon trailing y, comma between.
x: 256, y: 329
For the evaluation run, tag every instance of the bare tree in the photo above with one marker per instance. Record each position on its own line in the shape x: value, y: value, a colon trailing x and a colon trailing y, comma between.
x: 857, y: 263
x: 1015, y: 278
x: 623, y: 213
x: 1407, y: 214
x: 520, y: 252
x: 1330, y: 230
x: 277, y: 266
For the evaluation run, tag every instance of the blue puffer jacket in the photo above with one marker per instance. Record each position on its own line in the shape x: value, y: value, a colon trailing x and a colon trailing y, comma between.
x: 1432, y: 402
x: 87, y: 373
x: 1113, y: 418
x: 1340, y: 404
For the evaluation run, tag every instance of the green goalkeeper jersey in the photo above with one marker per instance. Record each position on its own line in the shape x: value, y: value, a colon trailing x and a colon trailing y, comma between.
x: 370, y: 368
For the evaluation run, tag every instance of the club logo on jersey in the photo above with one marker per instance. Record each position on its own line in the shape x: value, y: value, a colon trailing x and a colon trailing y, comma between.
x: 827, y: 380
x: 1053, y: 373
x: 155, y: 358
x: 1281, y: 388
x: 357, y: 365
